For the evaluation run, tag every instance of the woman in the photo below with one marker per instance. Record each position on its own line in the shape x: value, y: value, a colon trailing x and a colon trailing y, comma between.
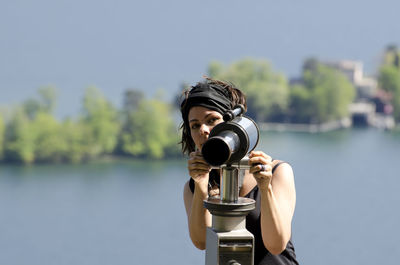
x: 270, y: 182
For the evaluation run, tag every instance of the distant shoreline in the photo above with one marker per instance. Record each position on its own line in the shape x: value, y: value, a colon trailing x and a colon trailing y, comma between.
x: 304, y: 127
x: 382, y: 122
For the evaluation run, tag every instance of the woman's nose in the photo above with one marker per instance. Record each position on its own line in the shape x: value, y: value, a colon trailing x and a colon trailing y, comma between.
x: 204, y: 129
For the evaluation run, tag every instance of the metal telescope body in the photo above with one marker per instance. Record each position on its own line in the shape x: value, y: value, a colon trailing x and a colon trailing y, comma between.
x: 228, y: 242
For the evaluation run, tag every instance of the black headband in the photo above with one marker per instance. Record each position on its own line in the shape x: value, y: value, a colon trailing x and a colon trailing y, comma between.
x: 211, y: 96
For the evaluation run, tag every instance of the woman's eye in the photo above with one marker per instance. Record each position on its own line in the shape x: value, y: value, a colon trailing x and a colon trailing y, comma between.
x: 213, y: 120
x: 194, y: 126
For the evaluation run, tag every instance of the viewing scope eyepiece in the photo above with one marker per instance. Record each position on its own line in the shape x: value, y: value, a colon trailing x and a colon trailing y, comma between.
x: 231, y: 140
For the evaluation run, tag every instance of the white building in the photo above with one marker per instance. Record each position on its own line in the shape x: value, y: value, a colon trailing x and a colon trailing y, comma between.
x: 366, y: 86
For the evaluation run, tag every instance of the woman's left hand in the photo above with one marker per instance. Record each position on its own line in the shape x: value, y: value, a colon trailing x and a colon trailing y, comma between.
x: 261, y: 168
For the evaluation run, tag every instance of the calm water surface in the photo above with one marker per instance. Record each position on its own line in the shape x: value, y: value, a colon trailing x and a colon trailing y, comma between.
x: 132, y: 212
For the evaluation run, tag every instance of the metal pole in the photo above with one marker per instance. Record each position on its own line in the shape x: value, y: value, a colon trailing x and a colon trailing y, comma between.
x: 229, y: 184
x: 227, y: 241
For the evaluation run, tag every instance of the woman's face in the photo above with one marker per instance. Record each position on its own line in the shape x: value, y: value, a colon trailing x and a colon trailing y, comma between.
x: 201, y: 122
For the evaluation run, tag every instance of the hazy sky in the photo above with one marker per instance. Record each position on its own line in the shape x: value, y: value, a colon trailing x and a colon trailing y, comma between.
x: 154, y: 44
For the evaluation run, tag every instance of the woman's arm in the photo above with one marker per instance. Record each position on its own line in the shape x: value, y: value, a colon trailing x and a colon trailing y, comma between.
x: 199, y: 218
x: 278, y: 199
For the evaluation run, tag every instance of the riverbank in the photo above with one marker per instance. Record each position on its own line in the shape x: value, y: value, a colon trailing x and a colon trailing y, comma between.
x: 307, y: 128
x: 381, y: 122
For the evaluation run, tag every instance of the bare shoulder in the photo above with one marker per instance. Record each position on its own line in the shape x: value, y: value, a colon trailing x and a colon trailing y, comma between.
x: 283, y: 175
x: 283, y: 183
x: 281, y: 167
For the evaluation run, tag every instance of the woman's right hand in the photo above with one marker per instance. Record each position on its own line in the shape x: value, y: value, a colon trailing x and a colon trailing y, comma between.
x: 199, y: 170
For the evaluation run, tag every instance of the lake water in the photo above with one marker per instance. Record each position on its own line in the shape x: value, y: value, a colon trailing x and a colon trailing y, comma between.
x: 131, y: 212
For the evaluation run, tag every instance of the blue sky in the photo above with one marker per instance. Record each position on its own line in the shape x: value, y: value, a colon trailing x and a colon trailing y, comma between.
x: 148, y: 45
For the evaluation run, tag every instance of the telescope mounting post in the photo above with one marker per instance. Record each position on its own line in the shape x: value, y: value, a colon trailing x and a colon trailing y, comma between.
x: 228, y: 242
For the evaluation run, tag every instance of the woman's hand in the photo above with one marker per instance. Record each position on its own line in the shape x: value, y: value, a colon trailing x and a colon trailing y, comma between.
x: 261, y: 168
x: 199, y: 170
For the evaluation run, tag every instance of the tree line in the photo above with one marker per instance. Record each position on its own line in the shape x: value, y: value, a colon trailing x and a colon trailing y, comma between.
x: 143, y: 128
x: 322, y: 93
x: 148, y: 128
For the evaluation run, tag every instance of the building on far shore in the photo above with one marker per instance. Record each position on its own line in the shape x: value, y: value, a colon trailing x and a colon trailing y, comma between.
x: 366, y: 86
x: 371, y: 106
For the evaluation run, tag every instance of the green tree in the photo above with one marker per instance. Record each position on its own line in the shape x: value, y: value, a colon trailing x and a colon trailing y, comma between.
x: 324, y: 95
x: 50, y: 145
x: 19, y: 143
x: 2, y: 129
x: 150, y: 131
x: 389, y: 78
x: 131, y: 102
x: 48, y: 97
x: 101, y: 119
x: 267, y: 91
x: 132, y: 99
x: 391, y: 56
x: 45, y: 103
x: 301, y: 110
x: 31, y: 107
x: 77, y: 147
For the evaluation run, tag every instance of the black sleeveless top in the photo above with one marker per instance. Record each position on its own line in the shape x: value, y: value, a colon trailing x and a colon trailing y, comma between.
x: 261, y: 255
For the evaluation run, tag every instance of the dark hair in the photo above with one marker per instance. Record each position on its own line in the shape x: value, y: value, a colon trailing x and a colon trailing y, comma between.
x: 235, y: 96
